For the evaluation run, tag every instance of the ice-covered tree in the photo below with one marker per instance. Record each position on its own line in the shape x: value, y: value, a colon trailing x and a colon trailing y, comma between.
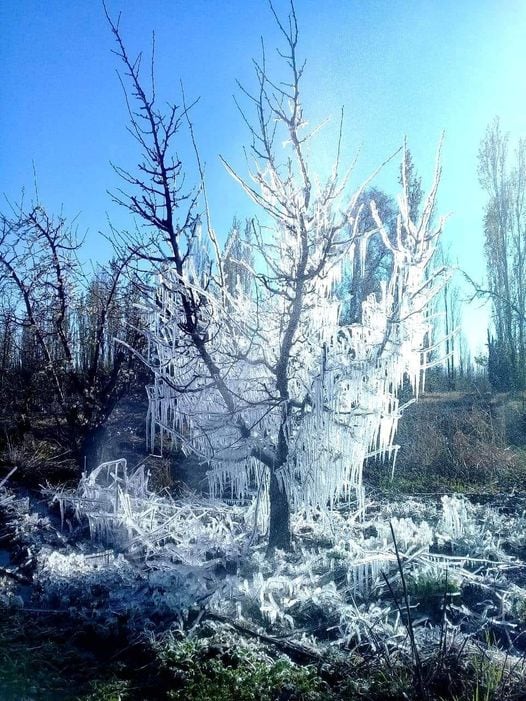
x: 263, y: 380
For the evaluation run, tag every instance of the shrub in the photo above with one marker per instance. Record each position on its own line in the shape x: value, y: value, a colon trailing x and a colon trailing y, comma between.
x: 211, y: 670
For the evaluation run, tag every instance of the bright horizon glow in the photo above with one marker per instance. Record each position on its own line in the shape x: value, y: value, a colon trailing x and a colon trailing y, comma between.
x: 398, y: 69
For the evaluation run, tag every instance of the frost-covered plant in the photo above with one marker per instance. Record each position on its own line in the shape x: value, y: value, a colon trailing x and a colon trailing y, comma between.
x: 262, y: 380
x: 197, y: 555
x: 455, y: 515
x: 431, y: 581
x: 409, y: 534
x: 224, y: 666
x: 373, y: 622
x: 122, y: 511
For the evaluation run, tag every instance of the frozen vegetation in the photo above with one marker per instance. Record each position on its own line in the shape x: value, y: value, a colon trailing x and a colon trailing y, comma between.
x: 400, y: 579
x: 340, y: 572
x: 462, y: 565
x: 282, y: 362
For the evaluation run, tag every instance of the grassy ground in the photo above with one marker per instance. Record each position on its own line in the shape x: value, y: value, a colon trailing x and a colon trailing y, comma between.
x: 53, y: 662
x: 454, y: 442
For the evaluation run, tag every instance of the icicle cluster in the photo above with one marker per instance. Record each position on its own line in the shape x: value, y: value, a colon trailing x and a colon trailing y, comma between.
x: 122, y: 511
x: 108, y: 496
x: 454, y: 515
x: 342, y: 404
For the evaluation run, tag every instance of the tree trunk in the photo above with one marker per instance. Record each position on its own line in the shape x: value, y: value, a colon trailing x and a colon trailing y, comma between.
x: 92, y: 447
x: 279, y: 535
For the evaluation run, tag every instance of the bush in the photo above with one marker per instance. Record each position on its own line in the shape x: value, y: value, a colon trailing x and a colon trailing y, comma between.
x: 37, y: 460
x: 456, y: 442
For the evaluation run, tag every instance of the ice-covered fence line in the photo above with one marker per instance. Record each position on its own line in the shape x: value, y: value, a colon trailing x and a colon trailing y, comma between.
x: 122, y: 512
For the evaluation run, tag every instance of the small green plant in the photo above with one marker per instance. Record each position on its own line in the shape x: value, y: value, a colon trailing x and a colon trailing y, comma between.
x: 110, y: 690
x: 489, y: 679
x: 206, y: 670
x: 428, y: 587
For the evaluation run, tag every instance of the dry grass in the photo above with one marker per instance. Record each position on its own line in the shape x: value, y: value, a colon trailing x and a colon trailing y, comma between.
x: 36, y: 460
x: 458, y: 442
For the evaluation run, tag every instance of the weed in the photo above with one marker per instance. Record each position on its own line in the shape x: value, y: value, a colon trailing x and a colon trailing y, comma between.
x: 208, y: 670
x: 36, y: 460
x: 108, y: 690
x: 492, y: 680
x: 428, y: 587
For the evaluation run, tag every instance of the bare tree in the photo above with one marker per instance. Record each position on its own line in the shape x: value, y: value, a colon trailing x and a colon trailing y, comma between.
x: 263, y: 381
x: 237, y: 257
x: 446, y: 318
x: 367, y: 276
x: 78, y: 378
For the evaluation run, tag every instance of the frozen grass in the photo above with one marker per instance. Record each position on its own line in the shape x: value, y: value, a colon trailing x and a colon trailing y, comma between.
x: 339, y: 584
x: 156, y: 562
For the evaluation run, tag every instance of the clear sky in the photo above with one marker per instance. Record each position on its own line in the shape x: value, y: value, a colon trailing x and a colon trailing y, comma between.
x: 399, y: 67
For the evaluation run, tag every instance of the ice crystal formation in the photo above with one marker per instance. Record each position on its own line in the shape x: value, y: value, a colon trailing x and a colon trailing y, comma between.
x: 336, y: 576
x: 124, y: 513
x: 341, y: 402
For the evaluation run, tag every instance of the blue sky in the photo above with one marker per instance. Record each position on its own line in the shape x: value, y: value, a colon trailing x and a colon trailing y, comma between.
x: 413, y: 68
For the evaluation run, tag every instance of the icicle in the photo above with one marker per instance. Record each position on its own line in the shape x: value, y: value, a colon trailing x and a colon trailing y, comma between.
x: 344, y: 378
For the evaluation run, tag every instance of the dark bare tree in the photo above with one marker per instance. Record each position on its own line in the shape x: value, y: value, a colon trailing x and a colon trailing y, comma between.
x: 63, y: 325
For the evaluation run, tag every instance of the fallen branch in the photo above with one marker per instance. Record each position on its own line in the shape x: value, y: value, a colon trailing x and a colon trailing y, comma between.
x: 297, y: 653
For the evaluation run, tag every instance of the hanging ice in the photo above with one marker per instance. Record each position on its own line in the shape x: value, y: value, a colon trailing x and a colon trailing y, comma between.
x: 222, y: 396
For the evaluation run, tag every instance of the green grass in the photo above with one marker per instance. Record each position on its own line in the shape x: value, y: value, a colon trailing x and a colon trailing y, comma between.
x: 213, y: 672
x: 41, y: 658
x: 46, y: 663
